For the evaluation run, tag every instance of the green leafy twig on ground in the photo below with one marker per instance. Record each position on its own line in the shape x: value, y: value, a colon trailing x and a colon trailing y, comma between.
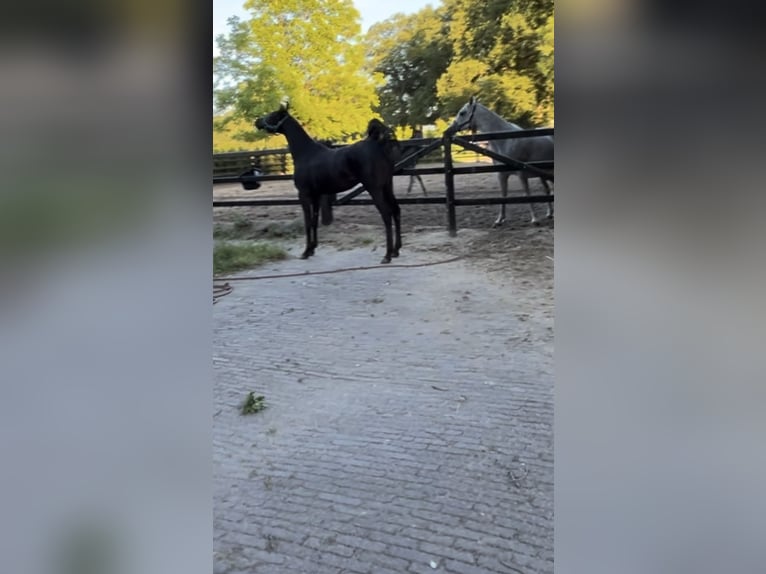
x: 253, y: 404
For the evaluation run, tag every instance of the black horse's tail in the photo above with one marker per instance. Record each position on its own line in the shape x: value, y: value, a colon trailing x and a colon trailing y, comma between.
x: 380, y: 132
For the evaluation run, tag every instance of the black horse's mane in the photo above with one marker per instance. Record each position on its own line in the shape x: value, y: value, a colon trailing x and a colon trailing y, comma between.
x: 377, y: 130
x: 380, y: 132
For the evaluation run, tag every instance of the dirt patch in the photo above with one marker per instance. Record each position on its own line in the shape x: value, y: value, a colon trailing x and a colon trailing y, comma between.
x: 413, y: 216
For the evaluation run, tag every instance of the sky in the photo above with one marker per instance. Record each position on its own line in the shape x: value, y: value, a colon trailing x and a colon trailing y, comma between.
x: 372, y: 11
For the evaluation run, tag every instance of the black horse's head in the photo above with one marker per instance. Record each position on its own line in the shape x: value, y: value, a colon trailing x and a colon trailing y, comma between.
x: 272, y: 122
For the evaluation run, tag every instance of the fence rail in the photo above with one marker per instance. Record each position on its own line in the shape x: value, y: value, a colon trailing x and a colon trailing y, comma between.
x: 269, y: 161
x: 276, y: 165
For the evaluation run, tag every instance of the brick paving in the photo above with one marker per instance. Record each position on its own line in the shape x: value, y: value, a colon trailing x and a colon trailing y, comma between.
x: 408, y: 426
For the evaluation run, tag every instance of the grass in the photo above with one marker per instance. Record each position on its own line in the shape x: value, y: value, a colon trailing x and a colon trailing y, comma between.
x: 229, y: 257
x: 242, y: 228
x: 283, y: 229
x: 353, y: 242
x: 239, y: 228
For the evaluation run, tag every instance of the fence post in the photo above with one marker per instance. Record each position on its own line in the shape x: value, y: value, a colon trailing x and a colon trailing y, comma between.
x: 449, y: 182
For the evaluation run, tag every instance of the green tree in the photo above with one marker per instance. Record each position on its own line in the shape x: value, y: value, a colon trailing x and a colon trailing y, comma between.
x: 545, y: 66
x: 458, y: 83
x: 407, y: 55
x: 226, y: 139
x: 504, y: 54
x: 309, y: 51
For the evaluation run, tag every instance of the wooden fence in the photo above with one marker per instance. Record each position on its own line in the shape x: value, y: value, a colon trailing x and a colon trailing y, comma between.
x: 277, y: 165
x: 269, y: 161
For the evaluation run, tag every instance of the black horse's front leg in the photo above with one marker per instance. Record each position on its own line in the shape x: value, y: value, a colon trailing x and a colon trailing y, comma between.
x: 306, y: 205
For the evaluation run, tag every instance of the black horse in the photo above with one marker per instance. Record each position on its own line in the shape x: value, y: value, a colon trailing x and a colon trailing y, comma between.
x: 320, y: 170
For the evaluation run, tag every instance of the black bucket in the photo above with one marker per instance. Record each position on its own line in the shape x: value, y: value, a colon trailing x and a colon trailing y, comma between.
x: 249, y: 180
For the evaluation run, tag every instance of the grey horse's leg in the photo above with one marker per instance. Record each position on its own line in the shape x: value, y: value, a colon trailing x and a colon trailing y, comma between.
x: 503, y: 178
x: 525, y: 183
x: 549, y: 215
x: 422, y: 185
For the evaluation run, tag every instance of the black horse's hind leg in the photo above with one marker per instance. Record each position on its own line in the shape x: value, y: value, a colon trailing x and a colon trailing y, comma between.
x: 382, y: 203
x: 306, y: 205
x: 326, y: 210
x: 315, y: 201
x: 396, y: 213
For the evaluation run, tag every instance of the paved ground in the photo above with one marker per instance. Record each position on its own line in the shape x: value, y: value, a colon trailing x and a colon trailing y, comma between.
x: 409, y: 418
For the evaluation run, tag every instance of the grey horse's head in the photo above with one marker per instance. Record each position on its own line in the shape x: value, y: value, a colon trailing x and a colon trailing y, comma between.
x: 272, y: 122
x: 464, y: 118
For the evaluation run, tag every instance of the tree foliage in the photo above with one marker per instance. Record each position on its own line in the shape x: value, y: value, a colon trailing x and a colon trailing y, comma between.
x: 513, y: 39
x: 408, y: 54
x: 230, y: 138
x: 412, y: 70
x: 309, y: 51
x: 499, y: 50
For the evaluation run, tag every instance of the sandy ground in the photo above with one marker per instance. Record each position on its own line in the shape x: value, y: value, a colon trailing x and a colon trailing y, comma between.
x: 409, y: 425
x: 516, y: 254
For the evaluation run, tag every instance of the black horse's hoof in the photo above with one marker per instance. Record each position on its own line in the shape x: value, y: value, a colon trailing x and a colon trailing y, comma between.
x: 386, y: 259
x: 395, y: 253
x: 306, y: 254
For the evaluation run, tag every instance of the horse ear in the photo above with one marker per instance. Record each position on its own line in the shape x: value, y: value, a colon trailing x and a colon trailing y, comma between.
x: 472, y: 100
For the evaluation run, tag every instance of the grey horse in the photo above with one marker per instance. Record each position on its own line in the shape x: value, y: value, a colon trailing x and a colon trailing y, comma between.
x: 478, y: 118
